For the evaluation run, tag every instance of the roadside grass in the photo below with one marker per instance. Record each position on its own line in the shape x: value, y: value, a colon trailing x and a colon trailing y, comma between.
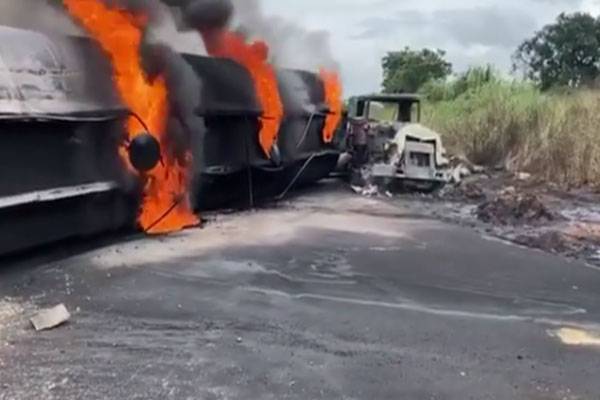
x: 493, y: 121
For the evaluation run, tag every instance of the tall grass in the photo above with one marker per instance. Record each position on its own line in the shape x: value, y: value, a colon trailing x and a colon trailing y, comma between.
x: 494, y: 121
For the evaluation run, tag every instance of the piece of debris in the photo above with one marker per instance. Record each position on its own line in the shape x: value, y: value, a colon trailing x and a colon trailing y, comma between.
x: 356, y: 189
x: 508, y: 191
x: 512, y: 208
x: 50, y: 318
x: 370, y: 191
x: 523, y: 176
x: 239, y: 340
x: 458, y: 173
x: 477, y: 169
x: 462, y: 167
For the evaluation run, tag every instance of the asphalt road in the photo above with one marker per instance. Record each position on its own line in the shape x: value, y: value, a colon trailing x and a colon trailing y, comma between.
x: 329, y: 296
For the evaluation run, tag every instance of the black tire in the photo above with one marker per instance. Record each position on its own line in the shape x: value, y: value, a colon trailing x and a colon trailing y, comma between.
x: 426, y: 187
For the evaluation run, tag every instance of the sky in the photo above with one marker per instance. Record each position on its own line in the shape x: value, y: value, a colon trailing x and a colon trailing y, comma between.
x: 356, y: 34
x: 472, y: 32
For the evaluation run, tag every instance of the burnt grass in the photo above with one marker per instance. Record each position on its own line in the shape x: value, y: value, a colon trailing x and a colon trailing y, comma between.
x: 525, y: 211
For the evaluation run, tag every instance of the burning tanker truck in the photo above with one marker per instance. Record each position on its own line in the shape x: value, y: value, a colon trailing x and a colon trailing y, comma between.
x: 111, y: 130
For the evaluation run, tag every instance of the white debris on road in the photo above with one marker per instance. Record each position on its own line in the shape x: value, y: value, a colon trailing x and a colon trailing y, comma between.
x: 50, y: 318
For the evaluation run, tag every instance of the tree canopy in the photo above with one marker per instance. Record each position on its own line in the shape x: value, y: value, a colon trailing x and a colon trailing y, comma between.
x: 565, y: 53
x: 408, y: 70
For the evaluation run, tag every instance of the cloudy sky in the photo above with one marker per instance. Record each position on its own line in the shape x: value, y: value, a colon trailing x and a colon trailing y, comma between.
x: 360, y: 32
x: 471, y: 31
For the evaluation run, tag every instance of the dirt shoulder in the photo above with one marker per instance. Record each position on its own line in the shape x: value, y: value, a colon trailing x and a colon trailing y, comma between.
x: 518, y: 208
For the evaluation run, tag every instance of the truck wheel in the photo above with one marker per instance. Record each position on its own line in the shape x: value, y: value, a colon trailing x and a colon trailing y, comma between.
x: 432, y: 187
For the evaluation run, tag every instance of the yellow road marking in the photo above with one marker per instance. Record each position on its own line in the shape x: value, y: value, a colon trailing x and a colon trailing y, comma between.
x: 576, y: 337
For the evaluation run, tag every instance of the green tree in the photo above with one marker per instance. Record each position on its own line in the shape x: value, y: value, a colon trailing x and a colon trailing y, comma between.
x: 565, y: 53
x: 408, y: 70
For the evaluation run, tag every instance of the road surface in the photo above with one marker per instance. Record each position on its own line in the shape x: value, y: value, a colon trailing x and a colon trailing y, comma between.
x: 328, y: 296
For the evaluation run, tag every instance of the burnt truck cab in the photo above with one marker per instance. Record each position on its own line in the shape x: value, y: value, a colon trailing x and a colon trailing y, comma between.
x: 387, y: 141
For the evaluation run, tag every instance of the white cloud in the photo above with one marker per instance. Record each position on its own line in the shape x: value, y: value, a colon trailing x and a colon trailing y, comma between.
x: 471, y: 31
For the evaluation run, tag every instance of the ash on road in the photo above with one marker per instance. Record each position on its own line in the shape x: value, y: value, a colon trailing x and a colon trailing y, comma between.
x: 330, y: 296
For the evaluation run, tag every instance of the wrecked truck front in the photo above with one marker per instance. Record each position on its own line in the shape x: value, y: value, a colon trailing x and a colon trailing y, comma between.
x: 415, y: 153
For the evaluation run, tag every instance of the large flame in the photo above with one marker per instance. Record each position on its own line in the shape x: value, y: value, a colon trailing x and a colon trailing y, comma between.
x: 333, y: 98
x: 254, y: 58
x: 165, y: 207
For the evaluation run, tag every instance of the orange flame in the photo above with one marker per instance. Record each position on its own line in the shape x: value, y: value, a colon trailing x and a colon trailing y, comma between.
x: 254, y: 58
x: 119, y: 33
x: 333, y: 98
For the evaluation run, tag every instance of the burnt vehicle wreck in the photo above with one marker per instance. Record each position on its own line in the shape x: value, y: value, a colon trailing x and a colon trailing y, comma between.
x: 388, y: 146
x: 63, y: 133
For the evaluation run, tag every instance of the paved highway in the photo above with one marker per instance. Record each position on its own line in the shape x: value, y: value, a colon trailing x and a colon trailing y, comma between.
x: 329, y: 296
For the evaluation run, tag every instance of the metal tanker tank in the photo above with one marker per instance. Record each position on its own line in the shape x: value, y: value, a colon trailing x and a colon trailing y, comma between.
x: 231, y: 169
x: 60, y: 127
x: 308, y: 157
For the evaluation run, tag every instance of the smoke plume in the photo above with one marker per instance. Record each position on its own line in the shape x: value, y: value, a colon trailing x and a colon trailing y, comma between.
x: 208, y: 14
x: 159, y: 59
x: 291, y: 45
x: 39, y: 15
x: 184, y: 94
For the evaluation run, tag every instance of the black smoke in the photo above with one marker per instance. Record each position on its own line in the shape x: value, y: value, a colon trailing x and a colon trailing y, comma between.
x: 159, y: 59
x: 184, y: 95
x: 40, y: 15
x: 208, y: 14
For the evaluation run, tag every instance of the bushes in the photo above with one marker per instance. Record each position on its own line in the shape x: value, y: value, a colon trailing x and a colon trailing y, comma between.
x: 493, y: 121
x: 439, y: 90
